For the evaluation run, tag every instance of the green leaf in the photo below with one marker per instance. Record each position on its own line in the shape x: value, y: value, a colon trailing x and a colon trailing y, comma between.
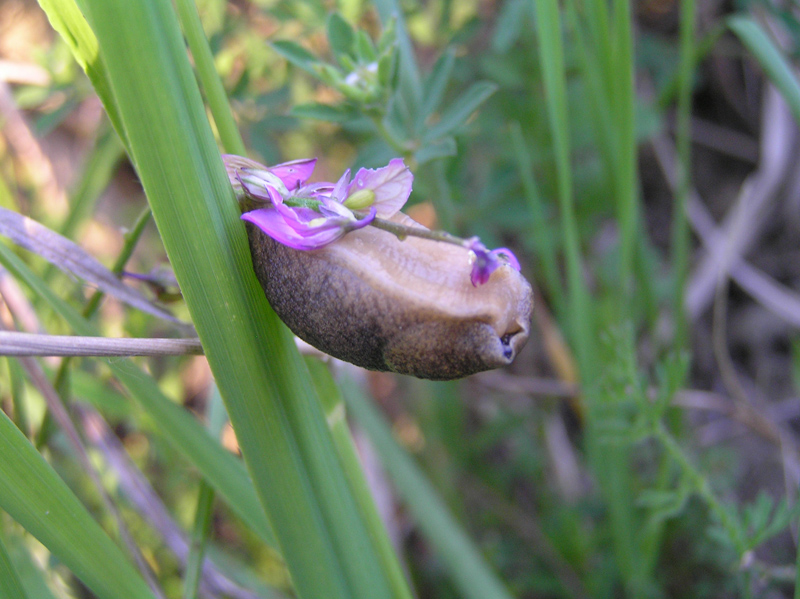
x: 460, y: 110
x: 207, y: 75
x: 297, y: 55
x: 365, y: 50
x: 225, y: 473
x: 33, y: 494
x: 325, y: 112
x: 335, y: 414
x: 68, y: 21
x: 510, y: 23
x: 31, y: 575
x: 409, y: 80
x: 386, y: 70
x: 92, y: 389
x: 436, y: 83
x: 466, y: 566
x: 10, y: 584
x: 340, y: 35
x: 437, y: 149
x: 327, y: 542
x: 775, y: 65
x: 388, y: 38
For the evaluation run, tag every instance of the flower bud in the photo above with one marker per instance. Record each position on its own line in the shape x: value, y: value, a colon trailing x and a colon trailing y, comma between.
x: 361, y: 199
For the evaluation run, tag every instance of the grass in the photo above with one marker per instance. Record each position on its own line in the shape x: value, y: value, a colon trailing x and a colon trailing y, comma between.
x: 582, y: 471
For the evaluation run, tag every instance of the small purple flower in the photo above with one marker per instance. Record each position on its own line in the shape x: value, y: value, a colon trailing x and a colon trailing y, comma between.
x: 305, y: 228
x: 486, y: 262
x: 249, y: 178
x: 390, y: 186
x: 310, y: 216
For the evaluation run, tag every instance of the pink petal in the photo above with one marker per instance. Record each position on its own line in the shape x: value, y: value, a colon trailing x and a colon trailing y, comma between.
x: 258, y: 191
x: 272, y: 223
x: 509, y: 255
x: 284, y: 225
x: 234, y: 162
x: 391, y: 185
x: 294, y: 173
x: 340, y: 190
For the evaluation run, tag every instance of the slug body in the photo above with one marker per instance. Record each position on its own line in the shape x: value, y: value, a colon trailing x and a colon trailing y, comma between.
x: 403, y: 306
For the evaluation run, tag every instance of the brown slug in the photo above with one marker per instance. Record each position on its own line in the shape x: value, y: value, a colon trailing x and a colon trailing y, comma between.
x: 402, y: 306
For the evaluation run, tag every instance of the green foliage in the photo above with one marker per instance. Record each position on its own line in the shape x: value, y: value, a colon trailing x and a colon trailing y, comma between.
x: 525, y: 126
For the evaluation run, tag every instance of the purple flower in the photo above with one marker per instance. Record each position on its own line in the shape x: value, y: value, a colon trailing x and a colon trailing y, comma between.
x: 390, y: 187
x: 249, y: 178
x: 310, y: 216
x: 486, y: 262
x: 304, y: 228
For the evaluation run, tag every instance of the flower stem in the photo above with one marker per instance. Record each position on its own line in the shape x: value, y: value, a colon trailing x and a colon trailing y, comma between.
x: 403, y: 231
x: 387, y: 136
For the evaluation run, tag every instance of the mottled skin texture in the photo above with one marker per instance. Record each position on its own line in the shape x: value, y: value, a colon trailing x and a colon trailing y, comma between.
x: 403, y: 306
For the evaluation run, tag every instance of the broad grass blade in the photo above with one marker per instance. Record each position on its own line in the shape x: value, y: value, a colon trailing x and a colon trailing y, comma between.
x: 33, y: 494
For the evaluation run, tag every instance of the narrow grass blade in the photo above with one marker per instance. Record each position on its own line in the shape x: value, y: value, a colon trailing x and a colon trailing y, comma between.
x: 68, y: 20
x: 774, y: 63
x: 199, y: 539
x: 681, y: 243
x: 623, y: 104
x: 99, y: 169
x: 10, y: 584
x: 459, y: 111
x: 542, y: 235
x: 33, y: 494
x: 335, y: 413
x: 221, y: 469
x: 273, y: 407
x: 466, y: 566
x: 207, y: 73
x: 16, y: 382
x: 551, y: 57
x: 31, y: 575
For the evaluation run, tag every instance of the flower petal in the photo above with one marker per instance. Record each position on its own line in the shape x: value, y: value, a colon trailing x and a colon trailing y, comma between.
x: 391, y: 184
x: 482, y: 268
x: 272, y: 222
x: 509, y: 256
x: 486, y: 262
x: 234, y: 163
x: 250, y: 176
x: 297, y: 231
x: 256, y: 184
x: 294, y: 173
x: 339, y: 192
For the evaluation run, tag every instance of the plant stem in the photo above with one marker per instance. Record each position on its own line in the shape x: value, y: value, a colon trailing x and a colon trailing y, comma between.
x: 403, y: 231
x: 387, y: 136
x: 703, y: 489
x: 680, y: 222
x: 210, y: 80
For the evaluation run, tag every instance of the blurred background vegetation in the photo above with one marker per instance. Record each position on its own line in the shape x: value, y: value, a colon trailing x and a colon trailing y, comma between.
x: 641, y: 160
